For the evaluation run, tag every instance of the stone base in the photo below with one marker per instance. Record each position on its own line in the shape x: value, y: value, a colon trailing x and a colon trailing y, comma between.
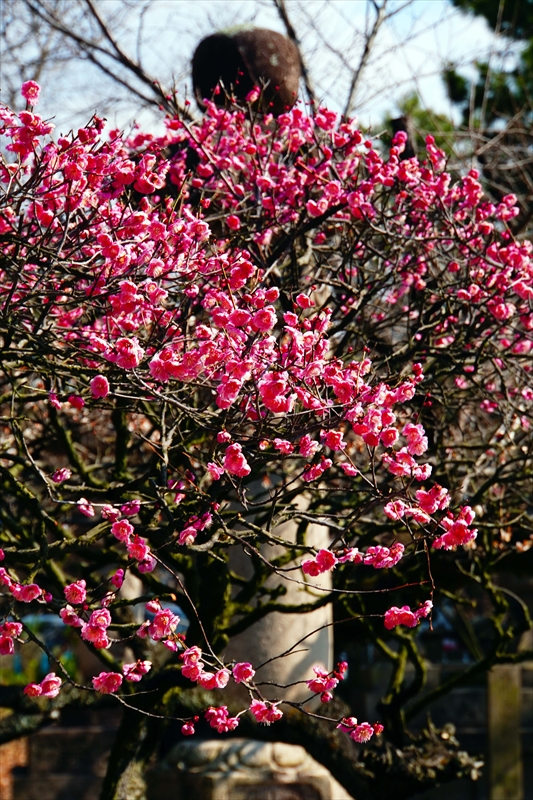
x: 242, y: 769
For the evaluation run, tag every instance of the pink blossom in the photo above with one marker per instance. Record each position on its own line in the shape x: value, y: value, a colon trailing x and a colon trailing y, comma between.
x: 404, y: 616
x: 324, y: 561
x: 388, y: 437
x: 134, y: 672
x: 436, y: 498
x: 264, y: 319
x: 94, y: 631
x: 417, y: 441
x: 347, y: 724
x: 349, y: 469
x: 107, y: 599
x: 7, y: 647
x: 75, y: 592
x: 27, y: 593
x: 127, y: 353
x: 323, y: 682
x: 61, y: 475
x: 164, y: 624
x: 148, y: 564
x: 215, y: 471
x: 308, y: 446
x: 234, y: 461
x: 131, y: 508
x: 265, y: 712
x: 220, y: 720
x: 233, y: 222
x: 243, y: 672
x: 33, y: 690
x: 400, y: 616
x: 253, y: 95
x: 192, y: 656
x: 395, y: 509
x: 311, y: 568
x: 70, y: 617
x: 381, y: 557
x: 342, y: 669
x: 118, y: 578
x: 351, y: 554
x: 122, y: 530
x: 273, y: 389
x: 5, y: 579
x: 283, y: 446
x: 107, y: 682
x: 316, y: 471
x: 50, y: 685
x: 110, y: 513
x: 138, y: 548
x: 418, y: 515
x: 100, y: 617
x: 9, y: 628
x: 216, y: 680
x: 76, y: 401
x: 99, y: 386
x: 362, y: 733
x: 457, y: 533
x: 30, y: 92
x: 304, y: 301
x: 96, y: 635
x: 187, y: 729
x: 85, y: 508
x: 334, y: 440
x: 54, y: 401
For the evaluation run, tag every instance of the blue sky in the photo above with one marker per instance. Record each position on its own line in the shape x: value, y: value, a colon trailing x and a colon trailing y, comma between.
x: 410, y: 51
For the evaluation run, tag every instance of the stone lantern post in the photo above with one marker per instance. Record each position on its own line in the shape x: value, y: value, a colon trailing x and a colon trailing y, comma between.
x: 244, y: 58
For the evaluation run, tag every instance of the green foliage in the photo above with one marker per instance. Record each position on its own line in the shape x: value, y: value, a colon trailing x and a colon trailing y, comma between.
x: 516, y: 15
x: 424, y: 122
x: 502, y: 92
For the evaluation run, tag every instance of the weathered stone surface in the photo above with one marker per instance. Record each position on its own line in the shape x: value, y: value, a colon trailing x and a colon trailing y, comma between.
x: 505, y: 757
x: 56, y: 787
x: 243, y: 59
x: 82, y: 750
x: 242, y: 769
x: 64, y: 763
x: 308, y: 636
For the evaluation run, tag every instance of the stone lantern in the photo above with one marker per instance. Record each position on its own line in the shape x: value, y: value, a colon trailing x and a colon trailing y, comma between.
x: 242, y: 59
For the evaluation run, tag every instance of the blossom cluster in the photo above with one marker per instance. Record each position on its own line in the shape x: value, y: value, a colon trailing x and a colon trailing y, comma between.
x: 205, y: 293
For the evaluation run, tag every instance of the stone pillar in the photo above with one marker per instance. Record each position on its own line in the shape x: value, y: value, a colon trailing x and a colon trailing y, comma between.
x: 505, y: 756
x: 278, y: 632
x: 242, y: 769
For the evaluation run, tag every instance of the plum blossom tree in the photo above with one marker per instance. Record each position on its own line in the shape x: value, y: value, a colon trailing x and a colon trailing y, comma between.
x: 249, y: 302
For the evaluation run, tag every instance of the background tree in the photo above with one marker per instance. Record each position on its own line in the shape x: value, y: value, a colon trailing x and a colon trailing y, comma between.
x: 497, y: 107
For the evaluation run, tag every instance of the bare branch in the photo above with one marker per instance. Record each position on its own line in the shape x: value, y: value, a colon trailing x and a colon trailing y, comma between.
x: 357, y: 75
x: 291, y: 33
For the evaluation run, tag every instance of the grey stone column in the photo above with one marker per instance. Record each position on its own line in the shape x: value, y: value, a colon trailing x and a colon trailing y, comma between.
x: 505, y: 753
x: 278, y: 632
